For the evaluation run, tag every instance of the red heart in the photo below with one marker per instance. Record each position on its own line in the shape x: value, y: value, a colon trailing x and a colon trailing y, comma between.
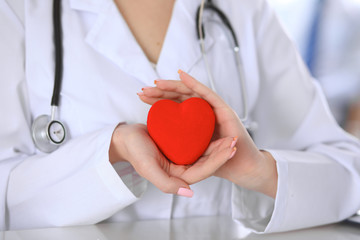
x: 182, y: 131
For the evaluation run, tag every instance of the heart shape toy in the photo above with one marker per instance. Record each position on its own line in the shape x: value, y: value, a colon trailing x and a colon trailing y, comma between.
x: 182, y: 131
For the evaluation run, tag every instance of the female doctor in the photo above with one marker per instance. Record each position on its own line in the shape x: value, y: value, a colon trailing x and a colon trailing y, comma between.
x: 300, y: 170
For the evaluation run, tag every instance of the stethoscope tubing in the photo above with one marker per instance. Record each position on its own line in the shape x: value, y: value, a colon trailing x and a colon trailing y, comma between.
x: 236, y: 48
x: 58, y: 52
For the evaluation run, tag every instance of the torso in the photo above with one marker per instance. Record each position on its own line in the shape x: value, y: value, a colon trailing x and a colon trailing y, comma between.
x: 148, y: 22
x: 101, y: 78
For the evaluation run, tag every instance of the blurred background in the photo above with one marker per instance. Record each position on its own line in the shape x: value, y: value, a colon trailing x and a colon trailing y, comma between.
x: 327, y: 34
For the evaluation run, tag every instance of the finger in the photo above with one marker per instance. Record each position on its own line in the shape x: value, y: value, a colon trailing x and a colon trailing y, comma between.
x: 152, y: 100
x: 167, y: 184
x: 209, y: 164
x: 203, y: 91
x: 152, y: 95
x: 148, y: 100
x: 173, y: 86
x: 158, y: 93
x: 215, y: 144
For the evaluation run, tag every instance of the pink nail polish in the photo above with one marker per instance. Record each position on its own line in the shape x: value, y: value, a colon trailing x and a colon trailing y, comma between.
x: 232, y: 153
x: 185, y: 192
x: 233, y: 143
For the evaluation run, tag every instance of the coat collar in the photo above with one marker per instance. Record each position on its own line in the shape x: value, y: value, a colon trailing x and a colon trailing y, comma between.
x: 111, y: 37
x: 93, y: 6
x: 181, y: 49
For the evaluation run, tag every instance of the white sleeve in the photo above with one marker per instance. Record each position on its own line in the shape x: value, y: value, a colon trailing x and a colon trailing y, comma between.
x: 75, y: 184
x: 318, y: 163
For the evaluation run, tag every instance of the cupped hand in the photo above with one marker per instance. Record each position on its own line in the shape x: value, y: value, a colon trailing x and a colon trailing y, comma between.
x: 133, y: 144
x: 250, y: 167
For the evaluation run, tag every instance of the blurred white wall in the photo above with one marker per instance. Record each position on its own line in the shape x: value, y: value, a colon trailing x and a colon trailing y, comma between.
x: 337, y: 51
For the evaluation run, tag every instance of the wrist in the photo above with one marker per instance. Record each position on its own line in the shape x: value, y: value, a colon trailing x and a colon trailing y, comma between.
x: 120, y: 141
x: 260, y: 175
x: 267, y: 175
x: 116, y: 151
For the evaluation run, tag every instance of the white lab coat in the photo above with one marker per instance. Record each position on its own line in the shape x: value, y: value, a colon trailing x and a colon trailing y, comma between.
x: 318, y: 163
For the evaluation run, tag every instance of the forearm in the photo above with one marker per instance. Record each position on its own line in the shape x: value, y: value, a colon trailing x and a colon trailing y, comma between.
x: 123, y: 134
x: 261, y: 174
x: 115, y: 154
x: 265, y: 178
x: 78, y: 176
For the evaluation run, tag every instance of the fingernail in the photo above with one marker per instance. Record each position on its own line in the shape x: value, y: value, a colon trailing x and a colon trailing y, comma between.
x: 185, y: 192
x: 158, y: 80
x: 232, y: 153
x: 145, y: 88
x: 180, y: 71
x: 140, y: 94
x: 233, y: 143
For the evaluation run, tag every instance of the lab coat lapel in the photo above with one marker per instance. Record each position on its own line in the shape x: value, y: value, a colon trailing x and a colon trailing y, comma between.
x: 93, y: 6
x: 111, y: 37
x: 181, y: 48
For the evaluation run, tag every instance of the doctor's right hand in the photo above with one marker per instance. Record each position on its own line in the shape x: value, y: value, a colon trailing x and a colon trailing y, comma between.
x: 133, y: 144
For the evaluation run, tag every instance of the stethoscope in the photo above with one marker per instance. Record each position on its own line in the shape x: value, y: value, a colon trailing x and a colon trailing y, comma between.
x: 49, y: 133
x: 209, y: 5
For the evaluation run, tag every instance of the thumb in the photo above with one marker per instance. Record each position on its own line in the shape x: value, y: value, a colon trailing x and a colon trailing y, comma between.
x: 179, y: 187
x: 165, y: 183
x: 203, y: 91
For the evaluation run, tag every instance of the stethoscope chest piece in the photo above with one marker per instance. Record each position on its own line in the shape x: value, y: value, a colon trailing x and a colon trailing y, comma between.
x: 48, y: 134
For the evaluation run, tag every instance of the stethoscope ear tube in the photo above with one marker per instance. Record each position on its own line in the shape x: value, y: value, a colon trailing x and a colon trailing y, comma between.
x: 208, y: 5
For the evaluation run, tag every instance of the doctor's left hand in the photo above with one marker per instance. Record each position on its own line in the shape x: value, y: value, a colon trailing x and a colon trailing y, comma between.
x: 250, y: 168
x: 133, y: 144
